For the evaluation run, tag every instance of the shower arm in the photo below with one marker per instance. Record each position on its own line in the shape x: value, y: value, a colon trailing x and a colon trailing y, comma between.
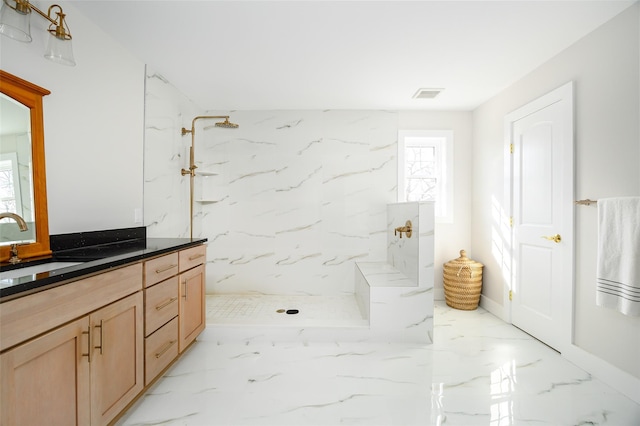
x: 191, y: 171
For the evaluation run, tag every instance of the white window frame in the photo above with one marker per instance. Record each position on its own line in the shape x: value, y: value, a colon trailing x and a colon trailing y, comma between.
x: 12, y: 158
x: 442, y: 141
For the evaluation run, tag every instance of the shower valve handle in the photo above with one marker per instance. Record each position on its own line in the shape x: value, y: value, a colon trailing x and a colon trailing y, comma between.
x: 190, y: 171
x: 407, y: 230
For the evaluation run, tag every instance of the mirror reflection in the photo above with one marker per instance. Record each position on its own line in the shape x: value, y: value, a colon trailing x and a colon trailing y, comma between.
x: 23, y: 183
x: 16, y: 184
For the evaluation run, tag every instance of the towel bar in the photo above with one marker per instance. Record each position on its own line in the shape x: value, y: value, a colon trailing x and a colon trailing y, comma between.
x: 586, y: 202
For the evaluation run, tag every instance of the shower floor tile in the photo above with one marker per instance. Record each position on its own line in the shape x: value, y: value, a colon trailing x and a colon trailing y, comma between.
x: 248, y: 309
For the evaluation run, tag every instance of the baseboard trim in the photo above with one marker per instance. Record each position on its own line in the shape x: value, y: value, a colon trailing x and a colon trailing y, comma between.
x: 620, y: 380
x: 494, y: 308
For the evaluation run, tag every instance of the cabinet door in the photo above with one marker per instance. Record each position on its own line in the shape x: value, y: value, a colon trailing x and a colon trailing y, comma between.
x: 46, y: 381
x: 117, y: 370
x: 192, y: 310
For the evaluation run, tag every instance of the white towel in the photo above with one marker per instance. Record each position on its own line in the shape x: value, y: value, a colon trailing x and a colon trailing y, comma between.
x: 618, y: 275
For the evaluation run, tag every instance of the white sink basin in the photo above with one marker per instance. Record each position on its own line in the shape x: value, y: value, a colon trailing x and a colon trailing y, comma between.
x: 35, y: 269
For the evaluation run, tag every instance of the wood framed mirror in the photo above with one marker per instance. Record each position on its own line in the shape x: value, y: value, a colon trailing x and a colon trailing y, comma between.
x: 24, y: 93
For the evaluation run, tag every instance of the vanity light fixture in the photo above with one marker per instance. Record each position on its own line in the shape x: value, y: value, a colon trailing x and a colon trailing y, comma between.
x: 15, y: 24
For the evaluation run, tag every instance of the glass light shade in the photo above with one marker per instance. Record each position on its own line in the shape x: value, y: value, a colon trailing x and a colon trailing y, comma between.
x: 60, y: 51
x: 14, y: 24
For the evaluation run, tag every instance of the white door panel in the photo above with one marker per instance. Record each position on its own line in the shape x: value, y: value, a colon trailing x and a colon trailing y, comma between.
x: 535, y: 291
x: 542, y: 207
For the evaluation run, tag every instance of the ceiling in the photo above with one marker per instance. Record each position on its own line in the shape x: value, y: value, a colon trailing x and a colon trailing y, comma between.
x: 261, y: 55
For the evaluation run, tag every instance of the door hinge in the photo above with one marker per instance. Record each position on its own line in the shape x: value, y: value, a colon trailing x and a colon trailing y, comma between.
x: 510, y: 294
x: 511, y: 221
x: 511, y: 148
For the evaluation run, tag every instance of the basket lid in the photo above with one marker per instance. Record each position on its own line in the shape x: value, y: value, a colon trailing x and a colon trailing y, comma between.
x: 463, y: 260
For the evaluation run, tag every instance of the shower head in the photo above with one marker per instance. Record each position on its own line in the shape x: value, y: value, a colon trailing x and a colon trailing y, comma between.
x: 227, y: 124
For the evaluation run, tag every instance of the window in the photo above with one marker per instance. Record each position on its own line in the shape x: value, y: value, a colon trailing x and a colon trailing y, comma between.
x: 425, y: 169
x: 9, y: 184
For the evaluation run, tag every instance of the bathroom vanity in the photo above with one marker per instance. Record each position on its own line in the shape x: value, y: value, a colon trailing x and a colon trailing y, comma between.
x: 79, y: 343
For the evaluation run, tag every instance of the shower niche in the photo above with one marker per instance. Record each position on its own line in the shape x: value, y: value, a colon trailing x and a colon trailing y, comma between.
x: 207, y: 189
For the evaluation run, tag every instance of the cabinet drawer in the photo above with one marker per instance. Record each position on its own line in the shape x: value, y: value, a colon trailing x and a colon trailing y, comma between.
x: 28, y: 316
x: 192, y: 257
x: 160, y: 268
x: 160, y: 349
x: 161, y: 304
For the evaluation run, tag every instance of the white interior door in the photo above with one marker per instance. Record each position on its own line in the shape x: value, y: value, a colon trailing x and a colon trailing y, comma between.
x: 542, y: 212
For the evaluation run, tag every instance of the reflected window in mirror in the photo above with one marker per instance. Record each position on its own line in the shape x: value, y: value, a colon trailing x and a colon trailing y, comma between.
x: 22, y: 168
x: 15, y: 171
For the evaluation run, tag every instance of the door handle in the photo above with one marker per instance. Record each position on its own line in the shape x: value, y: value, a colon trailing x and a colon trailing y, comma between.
x: 555, y: 238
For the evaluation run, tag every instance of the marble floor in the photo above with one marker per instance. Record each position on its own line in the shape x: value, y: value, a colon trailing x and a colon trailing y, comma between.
x: 479, y: 371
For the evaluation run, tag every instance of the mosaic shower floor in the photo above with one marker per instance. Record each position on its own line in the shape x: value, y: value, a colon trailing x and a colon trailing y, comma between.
x: 268, y: 310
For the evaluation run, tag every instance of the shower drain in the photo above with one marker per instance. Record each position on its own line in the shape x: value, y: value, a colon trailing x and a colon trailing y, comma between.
x: 288, y: 311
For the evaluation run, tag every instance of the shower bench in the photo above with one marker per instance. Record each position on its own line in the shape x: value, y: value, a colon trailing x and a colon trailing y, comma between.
x: 398, y: 309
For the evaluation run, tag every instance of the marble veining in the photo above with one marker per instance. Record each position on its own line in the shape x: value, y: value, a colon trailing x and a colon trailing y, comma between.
x: 292, y: 183
x: 478, y: 371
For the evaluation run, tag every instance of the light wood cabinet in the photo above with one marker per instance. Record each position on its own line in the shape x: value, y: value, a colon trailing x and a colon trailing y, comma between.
x: 29, y: 316
x: 82, y: 373
x: 160, y: 349
x: 192, y: 257
x: 192, y: 305
x: 161, y: 305
x: 174, y: 308
x: 52, y: 370
x: 160, y: 268
x: 81, y: 353
x: 117, y: 364
x: 161, y: 326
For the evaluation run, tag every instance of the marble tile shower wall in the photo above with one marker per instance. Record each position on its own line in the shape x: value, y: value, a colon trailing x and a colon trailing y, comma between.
x: 288, y: 201
x: 166, y: 191
x: 412, y: 256
x: 298, y: 196
x: 402, y: 252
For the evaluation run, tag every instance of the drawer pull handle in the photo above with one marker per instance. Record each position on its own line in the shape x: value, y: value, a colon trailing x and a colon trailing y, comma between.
x: 196, y: 256
x: 101, y: 337
x: 88, y: 333
x: 165, y: 348
x: 166, y: 303
x: 165, y: 269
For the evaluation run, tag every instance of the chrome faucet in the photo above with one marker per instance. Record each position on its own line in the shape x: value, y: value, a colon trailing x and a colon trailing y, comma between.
x: 23, y: 227
x: 20, y: 221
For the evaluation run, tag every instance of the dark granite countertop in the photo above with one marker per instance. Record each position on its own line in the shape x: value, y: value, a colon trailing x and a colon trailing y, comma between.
x: 91, y: 254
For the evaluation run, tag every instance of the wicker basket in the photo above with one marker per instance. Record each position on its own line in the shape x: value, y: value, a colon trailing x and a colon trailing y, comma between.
x: 463, y: 282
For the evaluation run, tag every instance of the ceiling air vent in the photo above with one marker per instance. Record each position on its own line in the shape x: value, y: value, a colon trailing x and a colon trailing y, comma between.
x: 427, y: 93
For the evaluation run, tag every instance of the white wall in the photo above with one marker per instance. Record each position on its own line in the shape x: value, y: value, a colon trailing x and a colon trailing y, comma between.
x: 450, y: 237
x: 605, y: 68
x: 93, y: 123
